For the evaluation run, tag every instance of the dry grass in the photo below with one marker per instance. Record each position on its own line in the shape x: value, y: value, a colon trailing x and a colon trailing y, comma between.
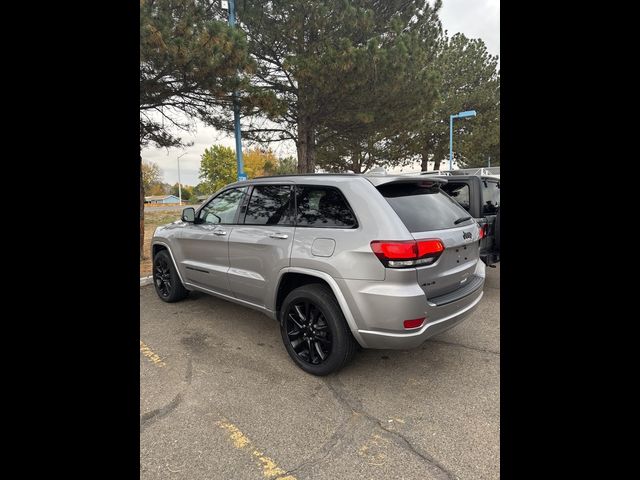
x: 151, y: 221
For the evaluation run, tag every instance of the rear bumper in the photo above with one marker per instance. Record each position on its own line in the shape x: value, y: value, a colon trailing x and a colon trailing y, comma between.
x: 388, y: 340
x: 379, y: 309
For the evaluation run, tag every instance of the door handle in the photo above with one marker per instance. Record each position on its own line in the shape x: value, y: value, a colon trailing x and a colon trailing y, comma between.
x: 279, y: 235
x: 219, y: 232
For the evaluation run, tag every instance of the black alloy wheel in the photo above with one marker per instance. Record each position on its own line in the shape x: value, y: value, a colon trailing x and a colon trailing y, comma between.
x: 162, y: 276
x: 314, y: 330
x: 166, y: 280
x: 308, y: 332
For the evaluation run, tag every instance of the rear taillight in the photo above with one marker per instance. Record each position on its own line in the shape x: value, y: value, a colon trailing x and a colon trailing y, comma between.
x: 415, y: 323
x: 407, y: 253
x: 481, y: 231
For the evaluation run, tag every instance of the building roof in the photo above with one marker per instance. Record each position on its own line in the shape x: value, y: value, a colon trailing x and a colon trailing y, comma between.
x: 159, y: 197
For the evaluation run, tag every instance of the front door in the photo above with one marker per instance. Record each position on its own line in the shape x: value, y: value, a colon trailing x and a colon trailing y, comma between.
x: 260, y: 246
x: 204, y: 244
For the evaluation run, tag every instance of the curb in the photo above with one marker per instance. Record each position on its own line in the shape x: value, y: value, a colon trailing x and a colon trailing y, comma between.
x: 146, y: 280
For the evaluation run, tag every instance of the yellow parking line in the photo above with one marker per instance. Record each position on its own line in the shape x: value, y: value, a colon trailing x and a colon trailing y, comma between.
x: 151, y: 355
x: 269, y: 468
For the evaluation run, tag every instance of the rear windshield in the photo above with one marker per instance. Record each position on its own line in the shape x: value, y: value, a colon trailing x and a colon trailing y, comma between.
x: 423, y: 207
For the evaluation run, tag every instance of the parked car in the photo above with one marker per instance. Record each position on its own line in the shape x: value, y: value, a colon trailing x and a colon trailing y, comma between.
x: 480, y: 196
x: 342, y: 260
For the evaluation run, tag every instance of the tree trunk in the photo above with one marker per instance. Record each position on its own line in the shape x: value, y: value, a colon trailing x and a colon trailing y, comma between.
x: 141, y: 213
x: 353, y: 163
x: 424, y: 165
x: 436, y: 163
x: 306, y: 145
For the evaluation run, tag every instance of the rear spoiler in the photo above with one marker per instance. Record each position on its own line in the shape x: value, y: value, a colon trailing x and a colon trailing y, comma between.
x: 423, y: 181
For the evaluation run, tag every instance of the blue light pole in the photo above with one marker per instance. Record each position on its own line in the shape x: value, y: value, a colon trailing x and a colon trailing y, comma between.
x: 236, y: 104
x: 468, y: 113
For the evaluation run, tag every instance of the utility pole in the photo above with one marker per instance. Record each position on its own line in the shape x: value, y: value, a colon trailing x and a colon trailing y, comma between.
x: 179, y: 183
x: 230, y: 5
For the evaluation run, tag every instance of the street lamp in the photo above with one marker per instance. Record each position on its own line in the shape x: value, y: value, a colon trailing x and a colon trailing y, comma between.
x: 468, y: 113
x: 180, y: 186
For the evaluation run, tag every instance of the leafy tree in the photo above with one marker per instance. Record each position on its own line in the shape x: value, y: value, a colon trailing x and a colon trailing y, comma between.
x: 217, y: 168
x: 283, y: 166
x: 189, y: 60
x: 151, y: 175
x: 158, y: 189
x: 351, y: 70
x: 258, y: 160
x: 468, y: 80
x: 185, y: 190
x: 200, y: 189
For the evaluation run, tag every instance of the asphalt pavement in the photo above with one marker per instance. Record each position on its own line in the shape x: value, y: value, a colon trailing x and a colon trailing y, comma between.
x: 220, y: 399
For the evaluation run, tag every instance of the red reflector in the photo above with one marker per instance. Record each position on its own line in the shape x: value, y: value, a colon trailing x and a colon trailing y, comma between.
x: 394, y: 250
x: 429, y: 247
x: 414, y: 323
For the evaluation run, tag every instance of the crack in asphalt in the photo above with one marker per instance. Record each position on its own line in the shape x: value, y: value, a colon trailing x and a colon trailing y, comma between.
x: 154, y: 415
x: 347, y: 400
x: 328, y: 447
x: 159, y: 413
x: 477, y: 349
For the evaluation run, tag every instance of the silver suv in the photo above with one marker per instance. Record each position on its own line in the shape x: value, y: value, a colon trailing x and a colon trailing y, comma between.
x: 379, y: 261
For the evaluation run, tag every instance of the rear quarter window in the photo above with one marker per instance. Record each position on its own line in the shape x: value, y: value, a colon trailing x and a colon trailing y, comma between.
x: 490, y: 197
x: 319, y: 206
x: 423, y: 207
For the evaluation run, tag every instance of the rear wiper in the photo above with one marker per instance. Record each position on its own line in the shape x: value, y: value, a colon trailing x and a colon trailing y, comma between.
x: 460, y: 220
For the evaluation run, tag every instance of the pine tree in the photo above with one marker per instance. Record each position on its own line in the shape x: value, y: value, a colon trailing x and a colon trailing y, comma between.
x: 468, y: 79
x: 336, y: 74
x: 189, y: 61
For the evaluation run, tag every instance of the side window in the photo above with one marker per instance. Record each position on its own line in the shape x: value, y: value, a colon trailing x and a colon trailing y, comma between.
x: 323, y: 207
x: 490, y: 197
x: 223, y: 208
x: 459, y: 192
x: 270, y: 205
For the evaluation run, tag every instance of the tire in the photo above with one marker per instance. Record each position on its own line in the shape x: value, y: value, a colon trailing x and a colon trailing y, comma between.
x: 328, y: 328
x: 166, y: 280
x: 496, y: 229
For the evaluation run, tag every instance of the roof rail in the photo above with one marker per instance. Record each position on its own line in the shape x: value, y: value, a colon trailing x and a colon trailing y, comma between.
x: 491, y: 171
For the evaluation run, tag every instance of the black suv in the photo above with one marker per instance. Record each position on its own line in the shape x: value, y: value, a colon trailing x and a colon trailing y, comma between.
x: 480, y: 196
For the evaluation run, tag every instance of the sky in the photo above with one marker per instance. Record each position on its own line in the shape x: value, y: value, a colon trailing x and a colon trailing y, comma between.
x: 474, y: 18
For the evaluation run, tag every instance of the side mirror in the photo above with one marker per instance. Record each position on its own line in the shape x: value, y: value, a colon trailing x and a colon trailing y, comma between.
x: 189, y: 215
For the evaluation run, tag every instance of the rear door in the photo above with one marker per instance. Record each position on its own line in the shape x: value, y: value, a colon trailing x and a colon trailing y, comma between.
x: 430, y: 214
x: 490, y: 189
x: 204, y: 250
x: 261, y: 245
x: 469, y: 193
